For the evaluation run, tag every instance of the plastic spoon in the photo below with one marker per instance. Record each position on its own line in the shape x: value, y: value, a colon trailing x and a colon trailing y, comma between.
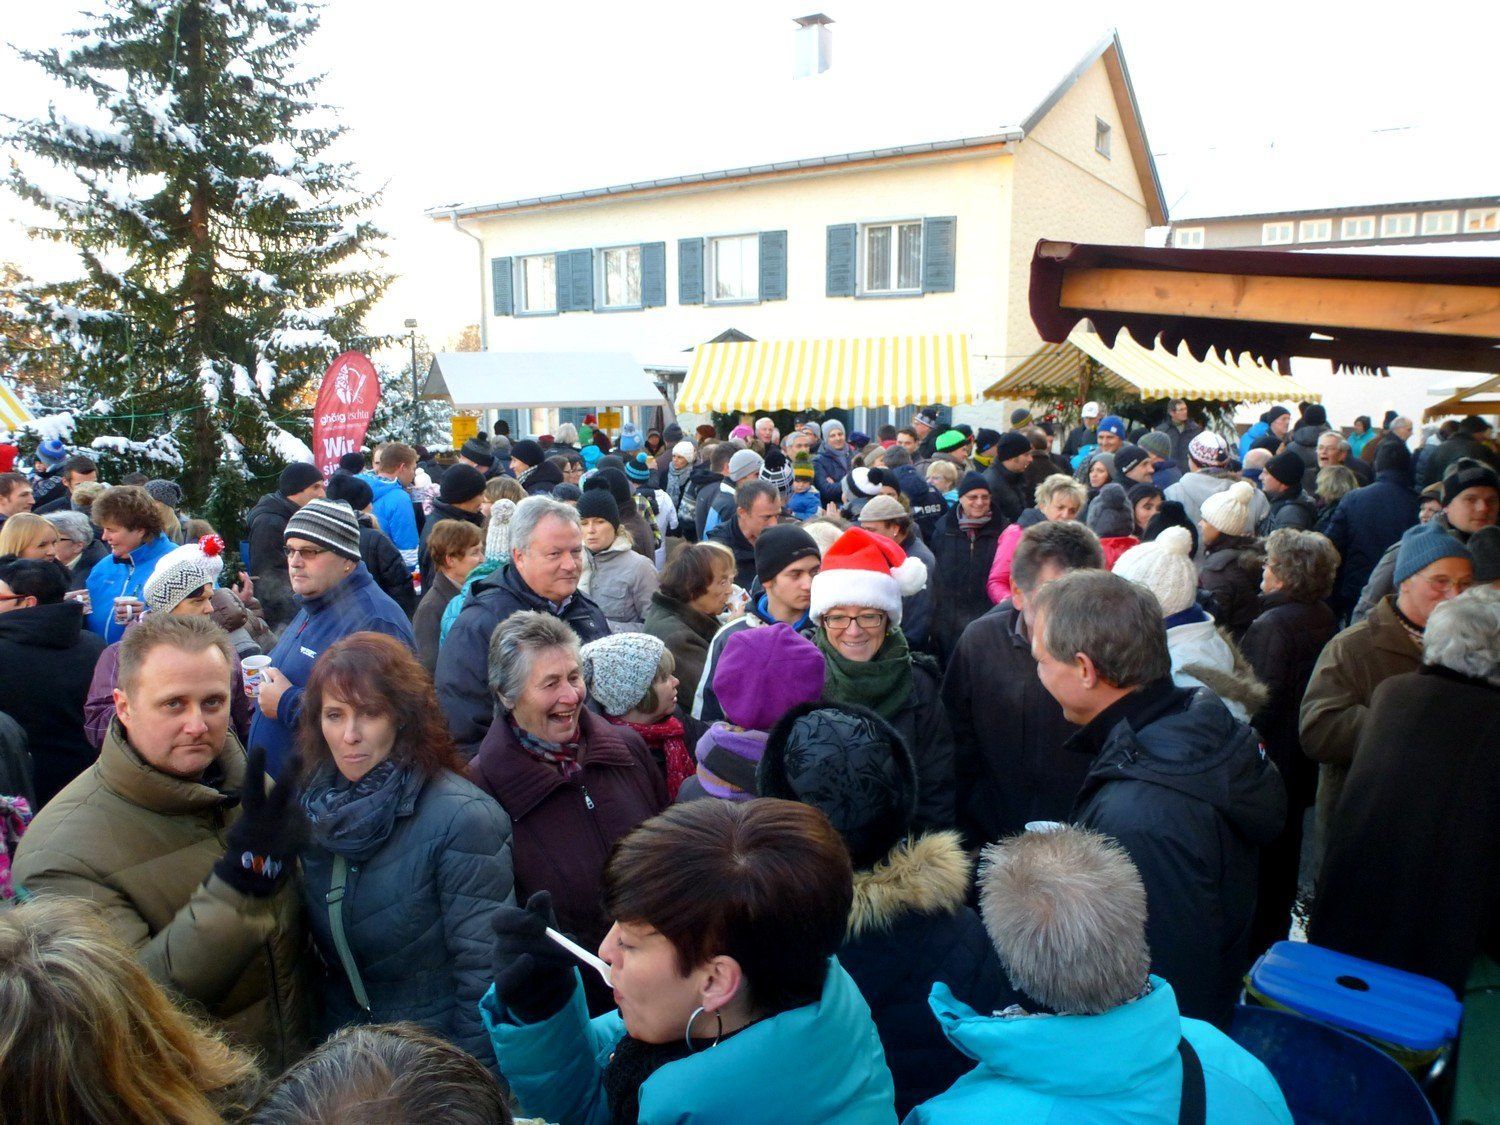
x: 582, y: 954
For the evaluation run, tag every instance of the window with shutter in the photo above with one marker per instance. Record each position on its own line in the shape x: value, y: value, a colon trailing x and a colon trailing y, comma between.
x: 575, y: 281
x: 892, y: 258
x: 773, y: 265
x: 734, y: 268
x: 939, y: 244
x: 500, y: 284
x: 536, y: 289
x: 841, y: 259
x: 690, y: 271
x: 620, y: 277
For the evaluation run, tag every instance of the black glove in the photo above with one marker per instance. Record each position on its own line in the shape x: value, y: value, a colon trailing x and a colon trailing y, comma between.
x: 271, y: 831
x: 533, y: 974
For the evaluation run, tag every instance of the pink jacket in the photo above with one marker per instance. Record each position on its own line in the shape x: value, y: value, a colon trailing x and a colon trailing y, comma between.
x: 998, y: 585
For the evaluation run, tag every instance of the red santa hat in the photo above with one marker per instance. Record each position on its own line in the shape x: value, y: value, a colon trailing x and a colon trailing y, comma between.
x: 865, y: 569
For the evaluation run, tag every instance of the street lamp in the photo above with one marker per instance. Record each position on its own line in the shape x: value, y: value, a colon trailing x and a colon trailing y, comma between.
x: 411, y: 326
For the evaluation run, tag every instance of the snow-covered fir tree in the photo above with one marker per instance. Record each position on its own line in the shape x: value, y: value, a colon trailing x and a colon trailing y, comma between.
x: 430, y: 424
x: 224, y: 258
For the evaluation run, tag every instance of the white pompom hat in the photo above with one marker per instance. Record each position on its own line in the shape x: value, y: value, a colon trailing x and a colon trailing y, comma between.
x: 865, y: 569
x: 1165, y: 567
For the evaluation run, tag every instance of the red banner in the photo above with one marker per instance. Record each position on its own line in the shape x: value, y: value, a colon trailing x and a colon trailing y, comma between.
x: 346, y: 402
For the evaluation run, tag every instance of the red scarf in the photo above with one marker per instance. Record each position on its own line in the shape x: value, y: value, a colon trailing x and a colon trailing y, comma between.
x: 668, y: 737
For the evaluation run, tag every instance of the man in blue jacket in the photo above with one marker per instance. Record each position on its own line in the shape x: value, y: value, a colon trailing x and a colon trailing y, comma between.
x: 1369, y: 519
x: 1097, y: 1036
x: 338, y: 597
x: 395, y: 469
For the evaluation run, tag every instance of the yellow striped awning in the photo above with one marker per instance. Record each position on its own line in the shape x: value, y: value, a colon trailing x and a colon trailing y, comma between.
x: 820, y: 374
x: 1149, y: 372
x: 12, y: 414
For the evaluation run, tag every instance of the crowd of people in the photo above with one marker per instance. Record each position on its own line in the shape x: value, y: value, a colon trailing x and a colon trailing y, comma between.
x: 856, y: 760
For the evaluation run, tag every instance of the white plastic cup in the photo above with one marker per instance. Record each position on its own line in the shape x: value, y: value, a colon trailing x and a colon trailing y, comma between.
x: 254, y: 668
x: 1044, y: 825
x: 126, y: 608
x: 82, y: 598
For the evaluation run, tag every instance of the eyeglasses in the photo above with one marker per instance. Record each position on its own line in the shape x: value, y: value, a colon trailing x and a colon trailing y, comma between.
x: 306, y: 554
x: 838, y: 622
x: 1441, y: 583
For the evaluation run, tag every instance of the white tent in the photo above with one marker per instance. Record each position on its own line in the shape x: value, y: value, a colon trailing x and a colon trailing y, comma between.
x: 522, y: 380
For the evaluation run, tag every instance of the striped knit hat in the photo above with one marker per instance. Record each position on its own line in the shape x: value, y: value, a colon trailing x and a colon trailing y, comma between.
x: 331, y: 523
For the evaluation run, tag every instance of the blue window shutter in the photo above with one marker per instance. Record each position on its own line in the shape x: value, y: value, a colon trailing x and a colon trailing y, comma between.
x: 843, y: 244
x: 937, y: 254
x: 654, y: 274
x: 580, y: 265
x: 690, y: 271
x: 562, y: 281
x: 773, y: 265
x: 501, y: 282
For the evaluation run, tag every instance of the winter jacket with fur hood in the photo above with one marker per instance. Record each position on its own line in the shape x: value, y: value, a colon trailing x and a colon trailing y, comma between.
x: 1231, y: 573
x: 1190, y: 794
x: 1202, y: 656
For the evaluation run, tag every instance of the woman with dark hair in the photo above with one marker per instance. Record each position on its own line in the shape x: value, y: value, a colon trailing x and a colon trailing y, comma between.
x: 408, y: 859
x: 732, y: 1006
x: 1364, y: 430
x: 684, y: 611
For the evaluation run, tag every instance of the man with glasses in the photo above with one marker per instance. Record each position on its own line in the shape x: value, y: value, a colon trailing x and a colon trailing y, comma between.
x: 337, y: 596
x: 546, y: 562
x: 1431, y: 567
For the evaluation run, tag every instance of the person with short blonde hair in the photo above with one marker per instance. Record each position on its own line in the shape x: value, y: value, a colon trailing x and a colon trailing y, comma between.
x: 29, y: 536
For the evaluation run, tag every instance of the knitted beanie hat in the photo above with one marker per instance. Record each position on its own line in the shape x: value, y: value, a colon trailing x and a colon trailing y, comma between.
x: 779, y: 547
x: 328, y: 523
x: 744, y: 464
x: 1011, y: 444
x: 1287, y: 468
x: 763, y: 672
x: 615, y: 481
x: 1229, y: 510
x: 815, y: 429
x: 497, y: 535
x: 638, y: 468
x: 207, y: 552
x: 1020, y: 417
x: 776, y: 470
x: 1209, y: 449
x: 174, y: 578
x: 166, y: 492
x: 1165, y: 567
x: 1113, y: 424
x: 352, y: 462
x: 972, y: 481
x: 949, y: 439
x: 858, y: 483
x: 478, y: 451
x: 351, y: 490
x: 882, y: 509
x: 620, y: 668
x: 52, y: 451
x: 1109, y: 513
x: 597, y: 503
x: 1128, y: 457
x: 833, y: 426
x: 684, y: 449
x: 1471, y: 476
x: 1170, y: 514
x: 1157, y: 443
x: 460, y: 484
x: 1424, y: 545
x: 864, y: 569
x: 985, y: 440
x: 526, y: 451
x: 1484, y: 548
x: 802, y: 466
x: 297, y: 477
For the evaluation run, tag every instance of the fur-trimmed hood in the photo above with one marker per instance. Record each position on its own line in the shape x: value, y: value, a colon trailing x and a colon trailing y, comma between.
x: 1204, y: 654
x: 926, y: 874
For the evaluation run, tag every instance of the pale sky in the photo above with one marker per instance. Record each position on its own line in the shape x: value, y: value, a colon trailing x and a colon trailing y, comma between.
x: 451, y: 100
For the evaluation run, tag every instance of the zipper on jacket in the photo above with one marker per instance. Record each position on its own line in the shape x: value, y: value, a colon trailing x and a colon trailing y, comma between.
x: 587, y: 800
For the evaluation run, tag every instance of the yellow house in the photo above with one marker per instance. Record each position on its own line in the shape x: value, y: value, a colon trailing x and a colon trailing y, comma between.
x: 911, y: 239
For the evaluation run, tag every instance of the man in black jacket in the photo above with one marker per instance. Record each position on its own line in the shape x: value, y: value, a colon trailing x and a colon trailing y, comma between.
x: 1007, y: 475
x: 266, y: 530
x: 757, y: 506
x: 1175, y: 778
x: 1008, y: 732
x: 546, y: 561
x: 1281, y: 481
x: 460, y: 494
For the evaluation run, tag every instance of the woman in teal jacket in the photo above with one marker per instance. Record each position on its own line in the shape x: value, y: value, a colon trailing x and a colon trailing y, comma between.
x: 731, y: 1005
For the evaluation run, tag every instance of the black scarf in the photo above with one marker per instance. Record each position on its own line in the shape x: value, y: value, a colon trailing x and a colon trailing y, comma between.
x: 354, y: 820
x: 632, y: 1063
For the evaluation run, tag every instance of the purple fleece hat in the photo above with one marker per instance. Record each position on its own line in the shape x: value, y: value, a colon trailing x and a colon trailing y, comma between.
x: 764, y: 672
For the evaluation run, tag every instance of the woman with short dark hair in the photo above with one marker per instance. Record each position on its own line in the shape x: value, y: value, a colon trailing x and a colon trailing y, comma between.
x: 695, y: 587
x: 407, y: 859
x: 732, y: 1006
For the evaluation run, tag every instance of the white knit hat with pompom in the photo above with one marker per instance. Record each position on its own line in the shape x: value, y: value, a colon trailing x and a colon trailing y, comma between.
x: 1165, y: 567
x: 1229, y: 509
x: 497, y: 535
x: 865, y: 569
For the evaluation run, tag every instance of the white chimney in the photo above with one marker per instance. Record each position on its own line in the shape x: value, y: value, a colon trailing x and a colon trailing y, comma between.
x: 812, y: 51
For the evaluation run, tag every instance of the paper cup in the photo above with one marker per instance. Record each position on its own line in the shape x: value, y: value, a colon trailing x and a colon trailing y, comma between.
x: 254, y: 668
x: 1044, y: 825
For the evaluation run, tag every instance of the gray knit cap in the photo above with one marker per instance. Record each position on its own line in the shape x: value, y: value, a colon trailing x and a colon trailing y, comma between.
x: 620, y: 668
x: 329, y: 523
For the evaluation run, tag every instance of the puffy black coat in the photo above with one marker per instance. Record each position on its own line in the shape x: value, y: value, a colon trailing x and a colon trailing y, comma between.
x: 266, y: 532
x: 541, y: 480
x: 1231, y: 573
x: 927, y: 503
x: 701, y: 497
x: 463, y: 660
x: 47, y: 662
x: 830, y: 467
x: 417, y: 914
x: 1430, y: 468
x: 959, y: 581
x: 910, y: 926
x: 916, y: 609
x: 1187, y: 790
x: 386, y: 566
x: 441, y: 510
x: 712, y: 498
x: 1366, y: 523
x: 923, y: 723
x: 1010, y: 762
x: 15, y: 762
x: 1296, y: 510
x: 1303, y: 441
x: 1007, y: 491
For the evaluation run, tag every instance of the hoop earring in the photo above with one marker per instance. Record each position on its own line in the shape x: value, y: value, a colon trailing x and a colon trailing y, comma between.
x: 687, y: 1035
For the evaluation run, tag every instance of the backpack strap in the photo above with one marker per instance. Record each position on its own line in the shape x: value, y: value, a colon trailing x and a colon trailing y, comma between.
x: 335, y: 900
x: 1194, y: 1107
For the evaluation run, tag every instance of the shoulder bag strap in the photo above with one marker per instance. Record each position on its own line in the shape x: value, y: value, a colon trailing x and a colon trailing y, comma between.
x: 1194, y: 1107
x: 335, y: 900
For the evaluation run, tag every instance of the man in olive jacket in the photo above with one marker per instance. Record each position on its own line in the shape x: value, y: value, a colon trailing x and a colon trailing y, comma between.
x: 177, y: 842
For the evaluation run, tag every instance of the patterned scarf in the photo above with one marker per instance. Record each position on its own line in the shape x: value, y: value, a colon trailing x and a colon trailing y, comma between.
x: 353, y: 820
x: 970, y: 525
x: 563, y: 755
x: 668, y: 738
x: 1413, y: 630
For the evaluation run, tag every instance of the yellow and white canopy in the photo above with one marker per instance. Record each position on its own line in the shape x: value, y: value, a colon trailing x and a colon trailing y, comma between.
x: 12, y: 414
x: 1149, y: 372
x: 820, y: 374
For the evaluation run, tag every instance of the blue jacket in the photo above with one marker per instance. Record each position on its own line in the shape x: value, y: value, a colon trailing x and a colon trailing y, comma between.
x: 1251, y: 436
x: 114, y: 578
x: 1365, y: 523
x: 397, y: 517
x: 821, y: 1062
x: 1119, y: 1066
x: 805, y: 505
x: 355, y: 605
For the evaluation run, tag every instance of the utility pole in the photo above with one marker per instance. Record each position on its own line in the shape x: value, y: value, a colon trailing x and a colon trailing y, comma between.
x: 416, y: 405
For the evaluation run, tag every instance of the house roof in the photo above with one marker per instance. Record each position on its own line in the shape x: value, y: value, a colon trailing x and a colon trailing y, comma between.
x: 970, y: 95
x: 1333, y: 172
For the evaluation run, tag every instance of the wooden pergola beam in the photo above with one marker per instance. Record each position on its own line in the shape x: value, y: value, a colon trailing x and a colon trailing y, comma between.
x: 1439, y: 354
x: 1328, y: 303
x: 1465, y: 401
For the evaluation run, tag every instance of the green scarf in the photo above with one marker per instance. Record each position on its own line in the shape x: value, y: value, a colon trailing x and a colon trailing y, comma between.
x: 882, y: 684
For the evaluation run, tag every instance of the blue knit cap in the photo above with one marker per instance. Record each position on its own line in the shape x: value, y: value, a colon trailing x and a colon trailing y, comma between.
x: 1113, y: 424
x: 1424, y: 545
x: 638, y: 468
